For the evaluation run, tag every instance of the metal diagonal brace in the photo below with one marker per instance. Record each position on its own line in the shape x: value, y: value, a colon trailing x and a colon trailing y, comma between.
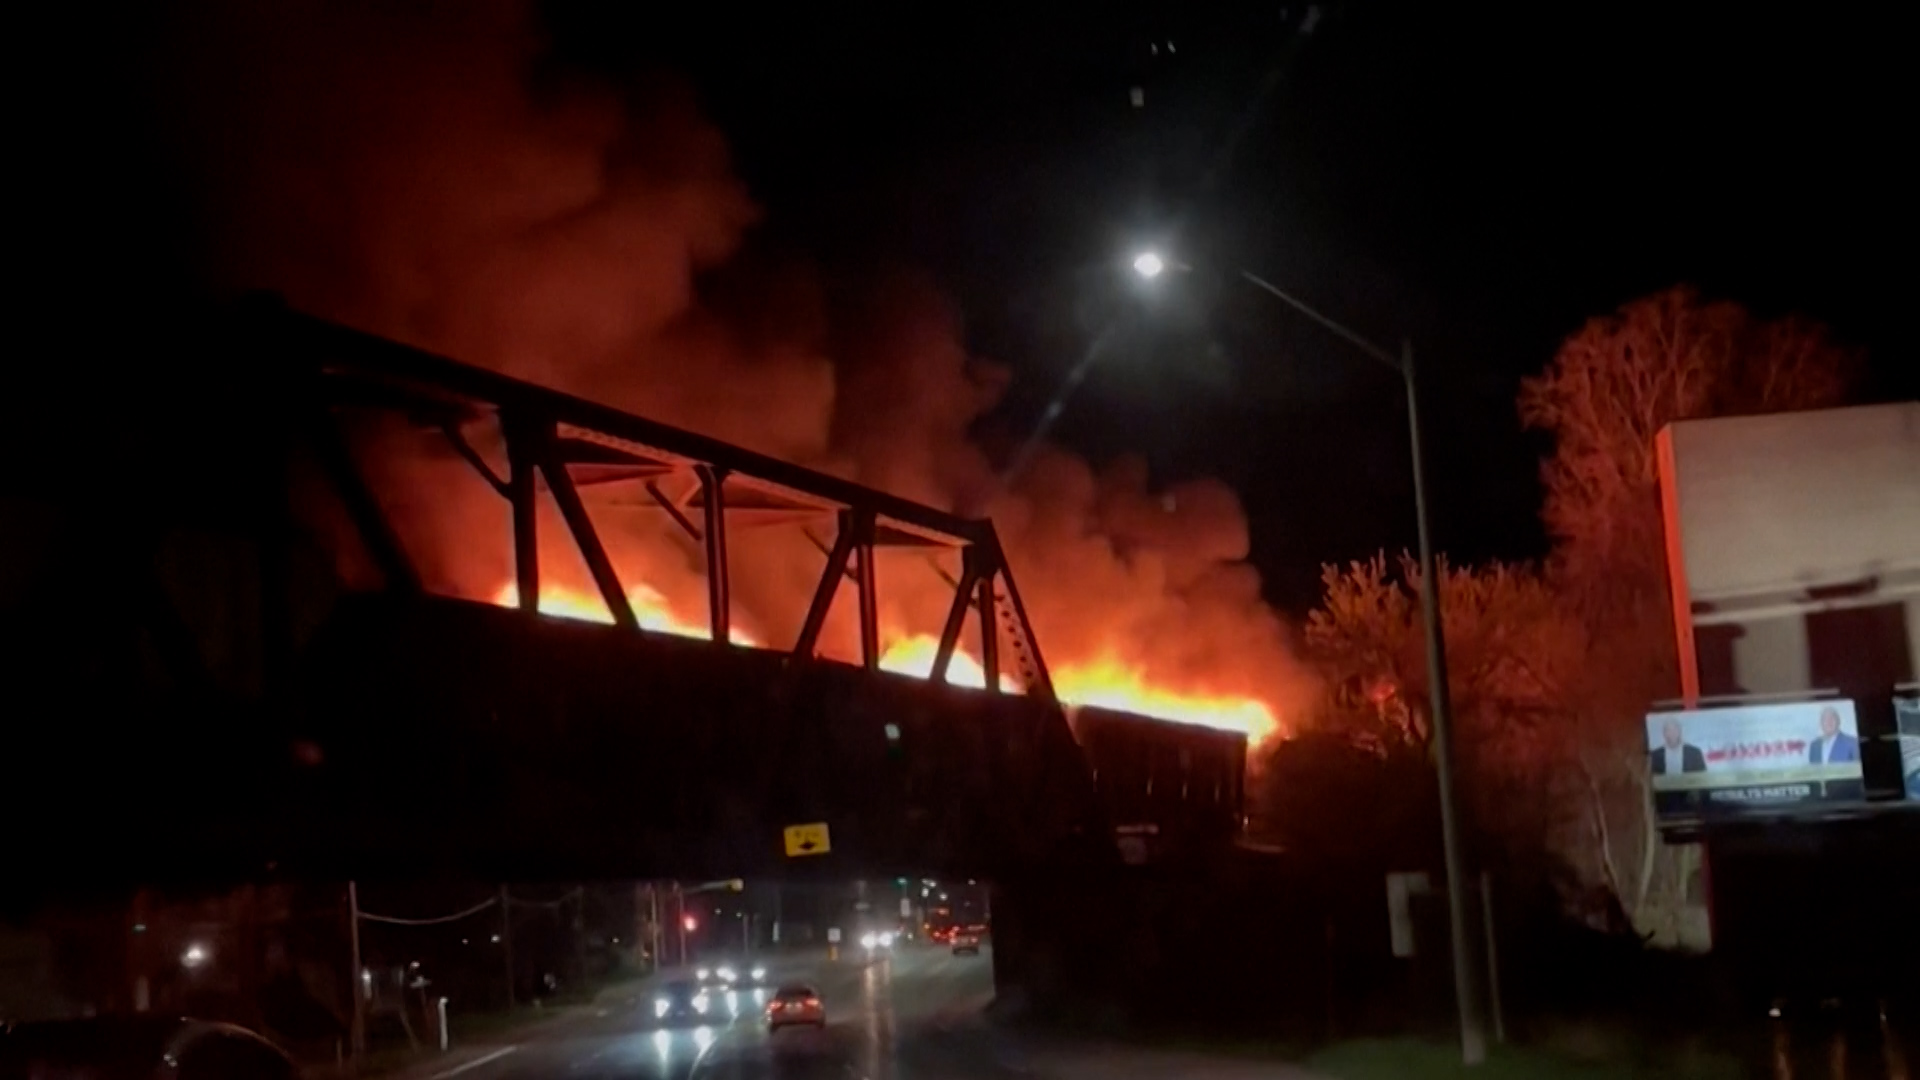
x: 719, y: 603
x: 383, y: 544
x: 957, y: 613
x: 809, y: 641
x: 989, y: 633
x: 673, y: 510
x: 567, y: 497
x: 472, y: 457
x: 869, y: 591
x: 825, y: 548
x: 522, y: 491
x: 1041, y: 684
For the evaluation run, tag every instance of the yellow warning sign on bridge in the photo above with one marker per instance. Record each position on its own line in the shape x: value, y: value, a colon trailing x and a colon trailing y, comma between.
x: 809, y: 839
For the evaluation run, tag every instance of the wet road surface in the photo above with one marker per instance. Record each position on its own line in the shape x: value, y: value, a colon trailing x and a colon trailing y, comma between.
x: 915, y: 1014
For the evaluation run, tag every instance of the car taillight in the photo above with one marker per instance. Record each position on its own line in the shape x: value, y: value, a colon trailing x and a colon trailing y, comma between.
x: 813, y: 1003
x: 777, y: 1006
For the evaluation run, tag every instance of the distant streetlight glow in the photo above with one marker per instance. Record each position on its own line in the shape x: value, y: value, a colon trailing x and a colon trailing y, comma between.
x: 195, y: 956
x: 1149, y: 264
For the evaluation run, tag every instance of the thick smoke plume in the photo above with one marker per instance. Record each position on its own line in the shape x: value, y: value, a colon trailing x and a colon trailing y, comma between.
x: 428, y: 172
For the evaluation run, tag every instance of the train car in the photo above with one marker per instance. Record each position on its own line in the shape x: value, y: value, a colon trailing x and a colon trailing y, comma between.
x: 1159, y: 781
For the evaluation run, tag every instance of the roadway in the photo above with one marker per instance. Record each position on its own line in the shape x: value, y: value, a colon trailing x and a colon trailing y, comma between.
x: 915, y: 1013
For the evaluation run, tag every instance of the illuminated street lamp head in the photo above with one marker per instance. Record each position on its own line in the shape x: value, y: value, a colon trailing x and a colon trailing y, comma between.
x: 1148, y: 264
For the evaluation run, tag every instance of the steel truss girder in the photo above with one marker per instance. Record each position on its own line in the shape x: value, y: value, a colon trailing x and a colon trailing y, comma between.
x: 549, y: 435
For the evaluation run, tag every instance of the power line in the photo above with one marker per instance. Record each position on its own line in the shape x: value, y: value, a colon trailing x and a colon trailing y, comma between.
x: 554, y: 903
x: 455, y: 917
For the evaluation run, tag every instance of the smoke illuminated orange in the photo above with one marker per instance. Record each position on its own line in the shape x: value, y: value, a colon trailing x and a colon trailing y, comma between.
x: 649, y: 607
x: 1105, y: 683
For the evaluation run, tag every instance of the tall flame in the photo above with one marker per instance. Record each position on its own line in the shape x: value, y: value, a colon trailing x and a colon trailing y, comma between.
x: 914, y: 656
x: 649, y: 607
x: 1106, y: 682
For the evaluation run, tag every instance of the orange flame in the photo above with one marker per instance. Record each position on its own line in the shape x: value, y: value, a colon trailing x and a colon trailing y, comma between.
x: 649, y: 607
x: 1106, y: 683
x: 914, y: 656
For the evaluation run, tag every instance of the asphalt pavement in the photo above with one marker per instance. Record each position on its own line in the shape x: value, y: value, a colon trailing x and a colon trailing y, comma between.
x: 883, y: 1014
x: 913, y: 1014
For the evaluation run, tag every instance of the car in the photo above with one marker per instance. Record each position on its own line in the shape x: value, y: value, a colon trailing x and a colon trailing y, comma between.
x: 796, y: 1005
x: 966, y: 943
x: 682, y: 1002
x: 718, y: 977
x: 139, y: 1048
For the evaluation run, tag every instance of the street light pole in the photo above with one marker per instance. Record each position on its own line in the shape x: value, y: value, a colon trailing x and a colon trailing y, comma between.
x: 1473, y: 1038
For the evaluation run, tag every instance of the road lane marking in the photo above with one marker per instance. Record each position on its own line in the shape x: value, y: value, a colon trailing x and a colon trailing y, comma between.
x: 475, y: 1063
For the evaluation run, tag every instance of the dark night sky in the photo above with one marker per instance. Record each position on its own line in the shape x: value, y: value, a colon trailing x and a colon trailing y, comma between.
x: 1478, y: 178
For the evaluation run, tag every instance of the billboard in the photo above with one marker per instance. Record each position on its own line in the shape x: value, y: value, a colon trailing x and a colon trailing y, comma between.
x: 1713, y: 761
x: 1906, y: 711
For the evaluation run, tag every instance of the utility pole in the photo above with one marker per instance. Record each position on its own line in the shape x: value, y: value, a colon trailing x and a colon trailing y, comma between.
x: 680, y: 917
x: 580, y: 934
x: 656, y: 934
x: 642, y: 932
x: 357, y: 1031
x: 506, y: 941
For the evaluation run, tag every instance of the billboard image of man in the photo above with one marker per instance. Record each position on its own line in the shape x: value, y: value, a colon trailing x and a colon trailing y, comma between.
x: 1833, y: 746
x: 1675, y: 754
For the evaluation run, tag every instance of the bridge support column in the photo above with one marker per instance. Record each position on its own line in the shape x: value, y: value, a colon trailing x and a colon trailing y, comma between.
x: 1059, y: 945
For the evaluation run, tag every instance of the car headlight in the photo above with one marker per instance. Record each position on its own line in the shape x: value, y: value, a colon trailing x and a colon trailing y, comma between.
x: 728, y: 974
x: 886, y: 941
x: 702, y: 973
x: 660, y: 1006
x: 869, y: 940
x: 700, y: 1003
x: 759, y: 973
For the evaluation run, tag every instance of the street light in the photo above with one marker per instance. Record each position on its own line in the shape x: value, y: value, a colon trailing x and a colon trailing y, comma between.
x: 1473, y: 1042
